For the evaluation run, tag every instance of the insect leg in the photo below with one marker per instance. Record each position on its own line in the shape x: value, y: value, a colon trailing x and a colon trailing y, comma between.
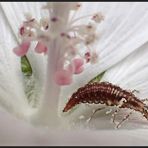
x: 89, y: 119
x: 125, y: 118
x: 114, y: 115
x: 145, y: 100
x: 121, y: 102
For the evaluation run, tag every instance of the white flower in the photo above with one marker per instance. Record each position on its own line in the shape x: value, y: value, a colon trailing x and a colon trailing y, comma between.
x: 122, y: 51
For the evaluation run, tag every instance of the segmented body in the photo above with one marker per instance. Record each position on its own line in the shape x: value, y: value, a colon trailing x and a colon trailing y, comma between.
x: 109, y: 94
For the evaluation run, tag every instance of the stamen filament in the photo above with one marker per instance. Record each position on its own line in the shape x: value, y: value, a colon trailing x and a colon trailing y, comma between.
x: 82, y: 17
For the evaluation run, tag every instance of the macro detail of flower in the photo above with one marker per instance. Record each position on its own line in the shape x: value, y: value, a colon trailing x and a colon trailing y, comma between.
x: 50, y: 49
x: 75, y: 38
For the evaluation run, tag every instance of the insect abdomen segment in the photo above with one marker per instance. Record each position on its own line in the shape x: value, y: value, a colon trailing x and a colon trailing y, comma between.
x: 104, y: 93
x: 109, y: 94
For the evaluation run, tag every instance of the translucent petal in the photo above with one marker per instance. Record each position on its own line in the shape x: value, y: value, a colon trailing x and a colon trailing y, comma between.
x: 131, y: 73
x: 16, y: 132
x: 12, y: 96
x: 121, y: 35
x: 14, y: 13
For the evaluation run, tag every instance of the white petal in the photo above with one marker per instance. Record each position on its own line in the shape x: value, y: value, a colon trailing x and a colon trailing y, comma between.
x: 14, y: 12
x: 131, y: 73
x: 38, y: 63
x: 122, y: 35
x: 16, y: 132
x: 12, y: 96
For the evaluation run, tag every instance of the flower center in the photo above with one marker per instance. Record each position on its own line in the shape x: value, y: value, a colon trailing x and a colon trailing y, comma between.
x: 76, y: 38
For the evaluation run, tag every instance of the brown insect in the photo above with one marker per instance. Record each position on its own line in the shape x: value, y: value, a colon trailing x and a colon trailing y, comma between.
x: 110, y: 95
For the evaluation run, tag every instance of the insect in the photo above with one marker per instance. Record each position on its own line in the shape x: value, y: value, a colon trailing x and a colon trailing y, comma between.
x: 110, y: 95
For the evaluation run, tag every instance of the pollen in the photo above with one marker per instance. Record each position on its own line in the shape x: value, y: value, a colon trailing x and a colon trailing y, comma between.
x: 74, y: 38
